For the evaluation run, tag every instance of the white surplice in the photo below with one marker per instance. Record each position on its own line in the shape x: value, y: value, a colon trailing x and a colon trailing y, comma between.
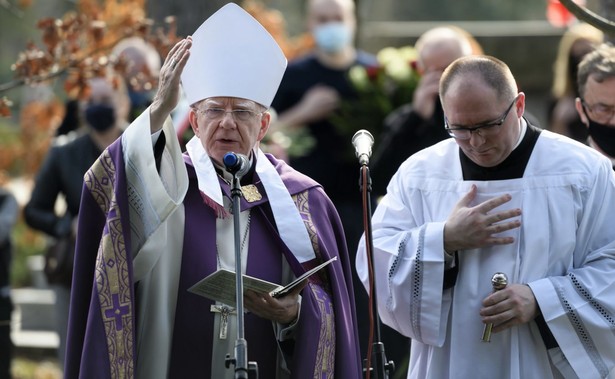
x: 564, y: 251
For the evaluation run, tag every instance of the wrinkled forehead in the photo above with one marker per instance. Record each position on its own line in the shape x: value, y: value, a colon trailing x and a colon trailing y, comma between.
x: 235, y: 102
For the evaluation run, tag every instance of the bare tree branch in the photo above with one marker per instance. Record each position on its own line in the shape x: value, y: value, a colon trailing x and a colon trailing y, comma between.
x: 590, y: 17
x: 11, y: 8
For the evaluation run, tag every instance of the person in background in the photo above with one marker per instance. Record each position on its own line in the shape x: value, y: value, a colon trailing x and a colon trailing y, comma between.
x: 9, y: 210
x: 138, y: 62
x: 312, y: 91
x: 72, y: 120
x: 500, y: 196
x: 154, y: 222
x: 420, y: 124
x: 576, y: 42
x: 596, y: 102
x: 142, y: 66
x: 61, y: 177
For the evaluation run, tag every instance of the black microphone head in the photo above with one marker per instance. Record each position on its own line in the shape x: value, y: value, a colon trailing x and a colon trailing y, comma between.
x: 236, y: 164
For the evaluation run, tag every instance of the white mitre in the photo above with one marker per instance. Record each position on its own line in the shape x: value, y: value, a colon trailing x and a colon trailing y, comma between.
x: 233, y: 55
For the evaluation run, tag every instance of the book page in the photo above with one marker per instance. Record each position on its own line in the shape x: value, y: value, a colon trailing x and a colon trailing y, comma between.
x: 286, y: 289
x: 220, y: 285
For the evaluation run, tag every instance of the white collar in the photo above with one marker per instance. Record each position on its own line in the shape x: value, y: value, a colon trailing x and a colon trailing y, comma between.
x: 521, y: 132
x: 288, y: 220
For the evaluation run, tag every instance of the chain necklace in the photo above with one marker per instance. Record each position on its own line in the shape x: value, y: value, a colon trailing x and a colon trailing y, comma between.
x: 243, y: 242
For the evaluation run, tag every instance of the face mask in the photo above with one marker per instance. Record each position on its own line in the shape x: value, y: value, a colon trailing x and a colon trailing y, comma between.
x: 603, y: 136
x: 332, y: 37
x: 100, y: 116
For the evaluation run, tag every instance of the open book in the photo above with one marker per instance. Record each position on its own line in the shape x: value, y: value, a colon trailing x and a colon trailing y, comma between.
x: 220, y: 285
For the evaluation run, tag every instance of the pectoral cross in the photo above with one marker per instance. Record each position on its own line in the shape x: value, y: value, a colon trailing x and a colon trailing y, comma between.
x: 224, y: 311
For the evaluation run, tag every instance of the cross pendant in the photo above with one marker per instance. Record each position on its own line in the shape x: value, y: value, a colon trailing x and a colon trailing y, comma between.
x: 224, y: 311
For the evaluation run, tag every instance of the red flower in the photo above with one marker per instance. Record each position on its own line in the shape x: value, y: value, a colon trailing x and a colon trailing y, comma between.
x: 414, y: 65
x: 372, y: 72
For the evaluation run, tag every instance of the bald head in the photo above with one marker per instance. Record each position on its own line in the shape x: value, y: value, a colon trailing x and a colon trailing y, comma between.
x: 317, y: 5
x: 333, y: 24
x: 324, y: 11
x: 478, y: 70
x: 440, y: 46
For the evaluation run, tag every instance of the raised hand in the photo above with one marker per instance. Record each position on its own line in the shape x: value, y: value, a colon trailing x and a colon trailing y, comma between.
x: 318, y: 103
x: 424, y: 97
x: 167, y: 96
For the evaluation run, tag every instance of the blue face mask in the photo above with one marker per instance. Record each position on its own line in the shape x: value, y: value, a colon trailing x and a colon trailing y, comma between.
x: 332, y: 37
x: 101, y: 117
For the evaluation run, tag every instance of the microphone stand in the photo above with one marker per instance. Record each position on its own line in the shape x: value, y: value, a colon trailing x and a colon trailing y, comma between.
x: 242, y: 367
x: 381, y: 368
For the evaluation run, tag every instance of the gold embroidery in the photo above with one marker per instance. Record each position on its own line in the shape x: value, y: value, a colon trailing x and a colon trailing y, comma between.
x: 250, y: 193
x: 112, y: 281
x: 324, y: 365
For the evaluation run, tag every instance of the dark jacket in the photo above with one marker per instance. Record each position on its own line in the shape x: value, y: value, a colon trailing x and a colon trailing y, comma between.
x: 61, y: 174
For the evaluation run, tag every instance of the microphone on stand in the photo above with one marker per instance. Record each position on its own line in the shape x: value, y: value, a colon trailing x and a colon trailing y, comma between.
x: 236, y: 164
x: 375, y: 364
x: 362, y: 142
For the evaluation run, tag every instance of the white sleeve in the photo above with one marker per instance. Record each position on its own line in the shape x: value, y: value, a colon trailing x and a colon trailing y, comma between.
x: 579, y: 307
x: 154, y: 194
x: 408, y: 268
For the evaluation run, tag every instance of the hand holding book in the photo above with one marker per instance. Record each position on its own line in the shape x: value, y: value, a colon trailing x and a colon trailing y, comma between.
x: 220, y: 285
x: 281, y: 309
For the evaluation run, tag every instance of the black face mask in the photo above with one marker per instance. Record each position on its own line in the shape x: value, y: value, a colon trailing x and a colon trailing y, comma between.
x: 603, y: 136
x: 100, y: 116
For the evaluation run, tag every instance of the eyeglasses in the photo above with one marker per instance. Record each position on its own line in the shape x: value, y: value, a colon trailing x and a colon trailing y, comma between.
x: 239, y: 115
x: 486, y: 130
x: 600, y: 112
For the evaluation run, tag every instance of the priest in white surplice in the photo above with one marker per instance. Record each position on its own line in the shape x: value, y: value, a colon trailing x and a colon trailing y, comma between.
x: 500, y: 196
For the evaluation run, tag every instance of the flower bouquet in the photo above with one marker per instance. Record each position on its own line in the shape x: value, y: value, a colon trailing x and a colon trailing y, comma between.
x: 380, y: 90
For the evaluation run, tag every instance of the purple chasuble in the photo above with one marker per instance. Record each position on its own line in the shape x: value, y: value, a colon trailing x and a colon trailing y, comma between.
x: 194, y: 322
x: 102, y: 330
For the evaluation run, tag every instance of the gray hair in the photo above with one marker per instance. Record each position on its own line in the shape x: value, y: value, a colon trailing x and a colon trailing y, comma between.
x: 599, y: 64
